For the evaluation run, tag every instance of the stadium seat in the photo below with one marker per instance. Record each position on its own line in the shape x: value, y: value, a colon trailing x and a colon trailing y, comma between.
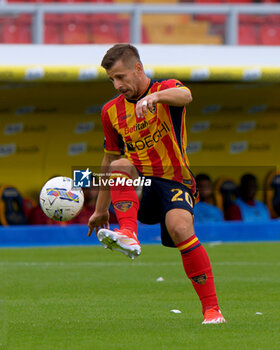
x: 74, y: 33
x: 251, y: 19
x: 238, y: 1
x: 272, y: 193
x: 53, y: 29
x: 31, y: 1
x: 189, y: 32
x: 110, y: 28
x: 104, y: 33
x: 11, y: 206
x: 17, y: 30
x: 226, y: 191
x: 148, y: 1
x: 209, y: 1
x: 214, y: 19
x: 270, y: 35
x: 52, y: 34
x: 248, y: 35
x: 67, y: 28
x: 272, y: 19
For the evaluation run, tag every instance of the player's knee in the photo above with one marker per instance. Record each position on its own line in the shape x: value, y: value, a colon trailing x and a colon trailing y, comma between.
x: 178, y: 232
x: 121, y: 165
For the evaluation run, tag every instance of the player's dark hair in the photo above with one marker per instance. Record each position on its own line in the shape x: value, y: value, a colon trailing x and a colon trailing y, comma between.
x: 201, y: 177
x: 124, y: 52
x: 245, y: 179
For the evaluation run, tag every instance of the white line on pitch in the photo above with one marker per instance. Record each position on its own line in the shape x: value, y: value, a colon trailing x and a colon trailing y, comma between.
x: 126, y: 263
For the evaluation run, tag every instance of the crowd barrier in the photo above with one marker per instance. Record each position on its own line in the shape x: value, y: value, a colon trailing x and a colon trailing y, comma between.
x: 32, y: 236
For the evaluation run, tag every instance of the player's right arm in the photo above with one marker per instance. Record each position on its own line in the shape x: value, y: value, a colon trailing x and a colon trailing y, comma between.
x: 100, y: 217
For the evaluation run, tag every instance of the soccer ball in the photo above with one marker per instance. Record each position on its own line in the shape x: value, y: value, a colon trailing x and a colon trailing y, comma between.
x: 61, y: 201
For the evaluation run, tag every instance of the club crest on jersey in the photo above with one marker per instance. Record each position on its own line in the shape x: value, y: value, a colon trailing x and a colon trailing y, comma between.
x: 201, y: 279
x: 63, y: 194
x: 123, y: 206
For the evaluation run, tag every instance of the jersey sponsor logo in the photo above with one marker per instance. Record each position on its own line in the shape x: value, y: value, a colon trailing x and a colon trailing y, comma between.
x: 123, y: 206
x: 201, y: 279
x: 150, y: 140
x: 139, y: 126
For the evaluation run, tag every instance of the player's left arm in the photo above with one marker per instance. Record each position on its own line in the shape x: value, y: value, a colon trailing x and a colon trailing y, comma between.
x: 175, y: 94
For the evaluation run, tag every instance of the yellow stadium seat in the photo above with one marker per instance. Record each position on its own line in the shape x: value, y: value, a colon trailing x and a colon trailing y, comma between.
x: 148, y: 1
x: 178, y: 29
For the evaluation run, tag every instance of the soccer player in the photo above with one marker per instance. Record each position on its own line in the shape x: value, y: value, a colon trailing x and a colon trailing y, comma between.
x: 147, y: 120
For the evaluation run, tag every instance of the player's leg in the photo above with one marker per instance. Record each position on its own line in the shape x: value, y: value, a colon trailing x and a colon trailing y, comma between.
x: 126, y: 204
x: 179, y: 223
x: 177, y: 203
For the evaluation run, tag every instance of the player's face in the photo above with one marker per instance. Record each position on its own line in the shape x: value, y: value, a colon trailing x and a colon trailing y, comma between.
x: 205, y: 189
x: 249, y: 191
x: 126, y: 79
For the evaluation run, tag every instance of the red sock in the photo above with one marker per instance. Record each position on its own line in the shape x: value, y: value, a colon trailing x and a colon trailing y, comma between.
x: 197, y: 267
x: 125, y: 201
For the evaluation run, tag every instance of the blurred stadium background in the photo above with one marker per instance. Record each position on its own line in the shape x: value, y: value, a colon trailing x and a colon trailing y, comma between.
x: 51, y: 93
x: 52, y: 88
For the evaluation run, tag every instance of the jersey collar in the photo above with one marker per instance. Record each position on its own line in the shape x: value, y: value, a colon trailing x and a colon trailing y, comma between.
x: 143, y: 94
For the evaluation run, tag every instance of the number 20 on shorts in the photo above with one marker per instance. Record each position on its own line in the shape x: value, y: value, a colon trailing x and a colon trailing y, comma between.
x: 179, y: 196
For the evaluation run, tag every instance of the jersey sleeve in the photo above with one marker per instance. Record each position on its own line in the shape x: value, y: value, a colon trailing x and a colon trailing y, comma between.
x: 112, y: 142
x: 172, y: 83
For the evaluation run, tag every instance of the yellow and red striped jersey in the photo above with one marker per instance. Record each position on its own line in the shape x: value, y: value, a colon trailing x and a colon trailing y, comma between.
x: 155, y: 144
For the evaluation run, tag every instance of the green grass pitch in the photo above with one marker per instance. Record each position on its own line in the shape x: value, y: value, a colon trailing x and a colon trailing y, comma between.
x: 87, y: 298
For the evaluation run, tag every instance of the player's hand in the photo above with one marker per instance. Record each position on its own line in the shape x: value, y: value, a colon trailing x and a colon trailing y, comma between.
x: 97, y: 221
x: 147, y: 103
